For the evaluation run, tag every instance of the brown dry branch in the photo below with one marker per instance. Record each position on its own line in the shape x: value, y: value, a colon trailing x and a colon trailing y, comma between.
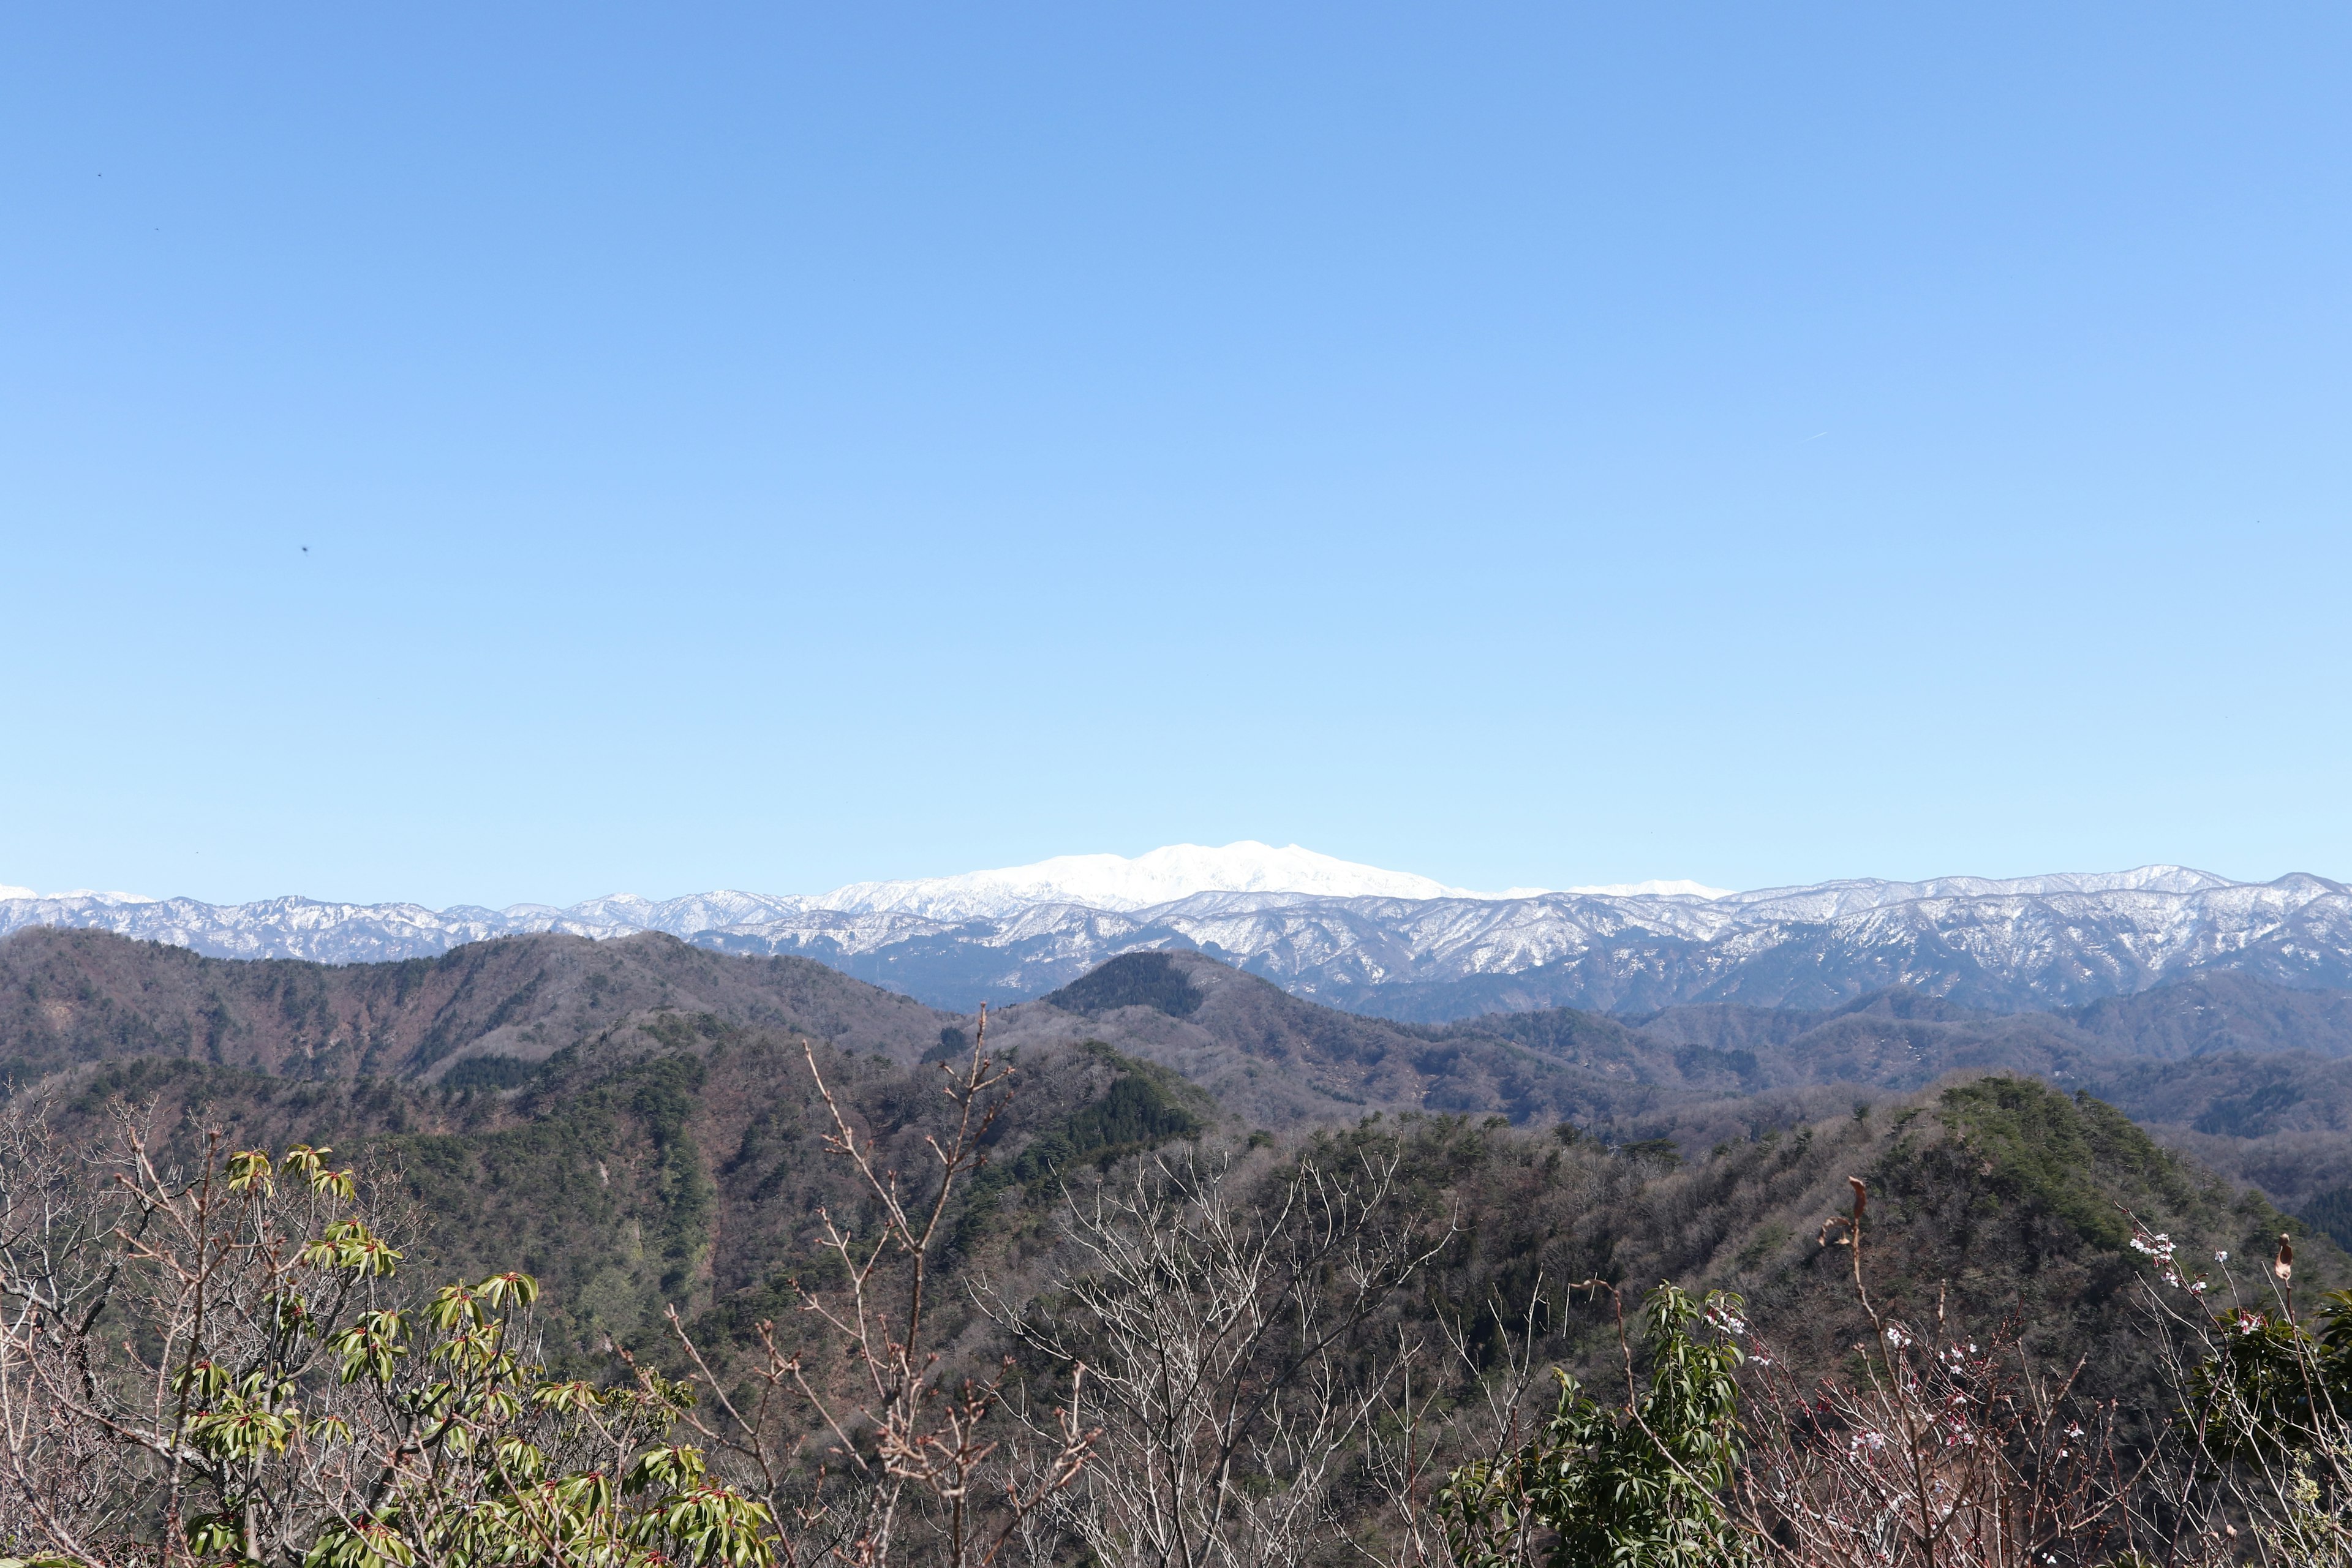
x: 904, y: 1433
x: 1443, y: 1412
x: 1940, y: 1452
x: 131, y: 1292
x: 1217, y: 1329
x: 2261, y: 1471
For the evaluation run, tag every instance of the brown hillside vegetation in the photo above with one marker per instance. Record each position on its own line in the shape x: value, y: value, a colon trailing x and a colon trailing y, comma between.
x: 69, y: 996
x: 2218, y: 1057
x: 1169, y: 1121
x: 2252, y: 1081
x: 681, y: 1163
x: 486, y: 1012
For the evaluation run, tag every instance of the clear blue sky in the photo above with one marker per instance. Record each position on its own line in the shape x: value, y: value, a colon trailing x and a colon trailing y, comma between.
x: 764, y: 447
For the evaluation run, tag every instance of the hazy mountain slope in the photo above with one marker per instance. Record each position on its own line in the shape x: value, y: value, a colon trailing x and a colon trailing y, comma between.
x: 1898, y: 1039
x: 1611, y: 1049
x: 1894, y: 1039
x: 2228, y: 1010
x: 2199, y: 1015
x: 2252, y: 1080
x: 1279, y: 1060
x: 2247, y: 1077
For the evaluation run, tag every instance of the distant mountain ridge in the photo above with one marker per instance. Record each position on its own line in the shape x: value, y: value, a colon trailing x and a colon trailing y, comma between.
x: 1388, y: 944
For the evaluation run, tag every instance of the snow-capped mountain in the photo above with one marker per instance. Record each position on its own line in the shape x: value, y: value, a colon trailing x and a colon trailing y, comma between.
x: 1386, y: 942
x: 1160, y: 877
x: 2033, y: 943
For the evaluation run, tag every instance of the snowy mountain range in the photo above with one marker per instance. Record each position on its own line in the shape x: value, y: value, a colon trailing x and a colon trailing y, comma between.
x: 1383, y: 942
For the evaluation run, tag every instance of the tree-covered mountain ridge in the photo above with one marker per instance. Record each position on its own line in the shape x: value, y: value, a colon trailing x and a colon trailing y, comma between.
x: 667, y: 1200
x: 674, y: 1159
x: 658, y: 1138
x: 2253, y: 1077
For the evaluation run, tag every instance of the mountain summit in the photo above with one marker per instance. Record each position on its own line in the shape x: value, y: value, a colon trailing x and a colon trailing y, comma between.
x: 1160, y: 877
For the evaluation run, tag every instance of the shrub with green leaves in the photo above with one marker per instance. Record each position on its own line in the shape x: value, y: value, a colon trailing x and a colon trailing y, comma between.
x: 1637, y: 1485
x: 233, y: 1360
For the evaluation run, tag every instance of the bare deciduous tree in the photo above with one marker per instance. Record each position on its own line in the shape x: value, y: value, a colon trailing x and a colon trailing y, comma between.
x: 2262, y: 1471
x: 1946, y: 1451
x: 1219, y: 1329
x: 905, y: 1430
x: 1445, y: 1412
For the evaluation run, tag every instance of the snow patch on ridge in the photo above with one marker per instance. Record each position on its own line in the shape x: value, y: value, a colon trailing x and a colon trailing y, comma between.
x: 1654, y: 889
x: 91, y: 894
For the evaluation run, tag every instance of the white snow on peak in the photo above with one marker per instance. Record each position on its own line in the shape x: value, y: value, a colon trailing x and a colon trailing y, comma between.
x: 92, y: 894
x: 1654, y: 889
x: 1116, y: 882
x: 1314, y: 923
x: 1870, y: 892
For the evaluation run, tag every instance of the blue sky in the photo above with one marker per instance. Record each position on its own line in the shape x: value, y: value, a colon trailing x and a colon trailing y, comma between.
x: 766, y: 447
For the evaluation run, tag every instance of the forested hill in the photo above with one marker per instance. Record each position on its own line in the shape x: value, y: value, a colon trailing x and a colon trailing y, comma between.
x: 485, y: 1013
x: 2254, y: 1078
x: 636, y: 1123
x: 2250, y: 1077
x: 685, y: 1164
x: 69, y: 996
